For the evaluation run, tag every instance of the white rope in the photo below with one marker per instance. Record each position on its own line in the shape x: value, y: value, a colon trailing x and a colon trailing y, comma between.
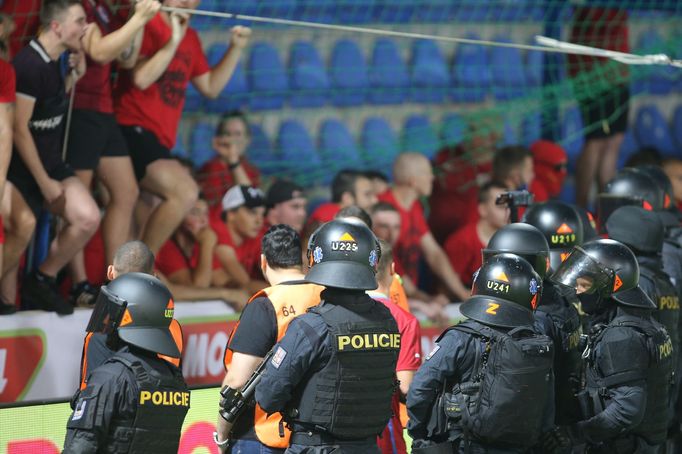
x: 547, y: 44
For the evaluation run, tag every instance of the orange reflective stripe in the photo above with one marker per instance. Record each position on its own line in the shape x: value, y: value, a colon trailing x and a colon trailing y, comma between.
x: 397, y: 293
x: 84, y: 360
x: 176, y: 332
x: 288, y: 301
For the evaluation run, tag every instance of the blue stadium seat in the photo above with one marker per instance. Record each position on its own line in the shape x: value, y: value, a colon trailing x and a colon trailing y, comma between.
x: 200, y: 143
x: 453, y: 129
x: 430, y: 78
x: 418, y: 135
x: 534, y: 67
x: 316, y: 10
x: 388, y: 76
x: 510, y: 134
x: 194, y: 100
x: 285, y: 9
x: 677, y: 127
x: 338, y: 149
x: 394, y: 11
x: 237, y: 7
x: 507, y: 68
x: 627, y: 148
x: 267, y: 78
x: 202, y: 23
x: 654, y: 79
x: 567, y: 194
x: 435, y: 10
x: 651, y: 130
x: 260, y: 151
x: 531, y: 128
x: 572, y: 137
x: 297, y: 152
x: 307, y: 76
x: 235, y: 94
x: 354, y: 11
x: 179, y: 149
x: 473, y: 10
x: 348, y: 74
x: 471, y: 78
x: 380, y: 144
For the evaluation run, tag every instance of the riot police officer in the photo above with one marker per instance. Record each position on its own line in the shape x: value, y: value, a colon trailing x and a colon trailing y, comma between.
x: 332, y: 375
x: 135, y: 402
x: 642, y: 232
x: 495, y: 352
x: 628, y: 357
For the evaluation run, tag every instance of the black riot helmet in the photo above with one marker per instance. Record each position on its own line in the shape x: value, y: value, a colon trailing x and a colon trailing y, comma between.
x: 343, y: 253
x: 140, y: 308
x: 601, y: 269
x: 521, y: 239
x: 505, y: 292
x: 669, y: 212
x: 629, y: 187
x: 561, y: 225
x: 589, y: 224
x: 637, y: 228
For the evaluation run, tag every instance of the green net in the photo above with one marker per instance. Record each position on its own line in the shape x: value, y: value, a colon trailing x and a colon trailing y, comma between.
x: 321, y: 100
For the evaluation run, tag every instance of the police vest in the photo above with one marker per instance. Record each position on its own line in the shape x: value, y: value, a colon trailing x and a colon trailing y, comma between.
x: 658, y: 375
x: 163, y: 402
x: 666, y: 298
x: 350, y: 397
x: 289, y: 300
x: 568, y: 362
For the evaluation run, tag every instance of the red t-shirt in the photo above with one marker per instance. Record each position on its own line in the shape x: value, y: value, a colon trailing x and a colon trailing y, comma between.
x: 93, y: 91
x: 324, y: 213
x: 8, y: 83
x: 409, y: 358
x: 604, y: 28
x: 248, y: 253
x: 25, y: 15
x: 412, y: 229
x: 159, y: 107
x: 463, y: 248
x: 215, y: 178
x: 453, y: 201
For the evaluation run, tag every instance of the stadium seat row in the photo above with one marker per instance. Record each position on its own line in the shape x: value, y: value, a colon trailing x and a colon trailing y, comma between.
x: 380, y: 11
x: 296, y: 154
x: 476, y: 71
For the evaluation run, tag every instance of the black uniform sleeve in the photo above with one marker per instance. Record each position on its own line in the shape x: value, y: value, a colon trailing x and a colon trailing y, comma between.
x: 620, y: 350
x: 257, y: 330
x: 304, y: 346
x: 108, y: 395
x: 29, y: 75
x: 446, y: 361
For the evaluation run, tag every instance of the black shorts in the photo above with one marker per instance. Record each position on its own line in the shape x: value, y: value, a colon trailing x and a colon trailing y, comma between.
x: 606, y: 114
x: 144, y: 148
x: 21, y: 178
x: 93, y: 135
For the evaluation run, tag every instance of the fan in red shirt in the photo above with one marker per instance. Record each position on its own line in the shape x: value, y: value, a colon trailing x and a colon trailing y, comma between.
x: 550, y: 168
x: 349, y: 187
x: 148, y: 102
x: 413, y: 178
x: 238, y: 223
x: 391, y: 440
x: 230, y: 166
x: 464, y: 246
x: 285, y: 202
x: 460, y: 168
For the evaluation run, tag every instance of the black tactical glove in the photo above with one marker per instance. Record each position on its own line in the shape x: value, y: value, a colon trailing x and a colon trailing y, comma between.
x: 561, y: 439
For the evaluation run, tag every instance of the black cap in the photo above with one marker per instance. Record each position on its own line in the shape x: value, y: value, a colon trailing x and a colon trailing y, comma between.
x: 637, y: 228
x: 282, y: 191
x: 238, y: 196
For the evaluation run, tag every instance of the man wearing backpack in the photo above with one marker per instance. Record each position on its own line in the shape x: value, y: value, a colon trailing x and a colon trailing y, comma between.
x: 629, y: 356
x: 487, y: 386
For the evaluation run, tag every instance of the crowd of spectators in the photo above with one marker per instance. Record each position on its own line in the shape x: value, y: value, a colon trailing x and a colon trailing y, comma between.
x: 111, y: 177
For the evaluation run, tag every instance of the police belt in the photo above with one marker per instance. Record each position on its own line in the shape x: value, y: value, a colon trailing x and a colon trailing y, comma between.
x: 317, y: 439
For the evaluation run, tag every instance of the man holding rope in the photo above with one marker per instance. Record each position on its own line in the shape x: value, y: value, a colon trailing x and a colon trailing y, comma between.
x: 37, y: 168
x: 148, y: 104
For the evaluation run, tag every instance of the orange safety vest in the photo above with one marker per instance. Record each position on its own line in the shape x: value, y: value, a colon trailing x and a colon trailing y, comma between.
x: 397, y: 293
x: 176, y: 332
x: 289, y: 301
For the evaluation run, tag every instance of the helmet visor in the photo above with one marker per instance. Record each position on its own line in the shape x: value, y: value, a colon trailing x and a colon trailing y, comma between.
x: 107, y: 314
x: 582, y: 273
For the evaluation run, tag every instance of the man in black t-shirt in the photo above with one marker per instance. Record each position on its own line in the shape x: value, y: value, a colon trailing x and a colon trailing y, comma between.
x: 263, y: 322
x: 37, y: 169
